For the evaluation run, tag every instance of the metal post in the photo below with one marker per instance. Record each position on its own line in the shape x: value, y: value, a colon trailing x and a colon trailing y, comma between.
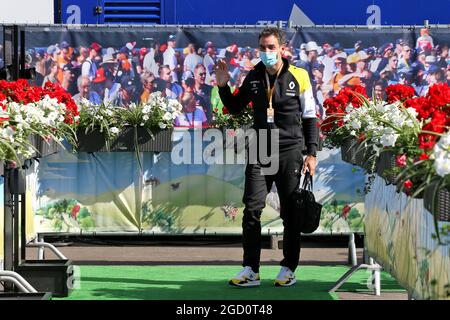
x: 41, y: 250
x: 8, y: 227
x: 352, y: 258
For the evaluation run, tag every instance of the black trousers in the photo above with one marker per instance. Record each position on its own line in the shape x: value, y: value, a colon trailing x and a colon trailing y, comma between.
x: 257, y: 187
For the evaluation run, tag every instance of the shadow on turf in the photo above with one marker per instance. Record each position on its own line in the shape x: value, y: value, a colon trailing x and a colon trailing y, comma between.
x: 217, y: 290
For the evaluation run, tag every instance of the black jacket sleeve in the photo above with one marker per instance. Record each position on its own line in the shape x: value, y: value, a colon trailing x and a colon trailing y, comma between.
x: 235, y: 103
x: 311, y: 134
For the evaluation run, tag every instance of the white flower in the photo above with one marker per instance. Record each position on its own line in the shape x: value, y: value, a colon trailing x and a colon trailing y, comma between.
x: 353, y: 133
x: 145, y: 117
x: 8, y: 133
x: 146, y: 109
x: 167, y: 116
x: 114, y: 130
x: 441, y: 154
x: 162, y: 125
x: 442, y: 166
x: 388, y: 140
x: 355, y: 124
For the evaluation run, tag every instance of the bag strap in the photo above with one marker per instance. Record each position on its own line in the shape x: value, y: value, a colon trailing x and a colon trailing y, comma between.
x: 308, y: 182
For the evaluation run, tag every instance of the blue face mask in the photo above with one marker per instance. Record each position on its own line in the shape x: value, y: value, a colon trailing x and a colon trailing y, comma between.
x: 268, y: 58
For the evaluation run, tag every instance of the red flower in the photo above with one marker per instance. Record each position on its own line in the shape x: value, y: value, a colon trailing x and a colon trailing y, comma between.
x: 401, y: 160
x: 423, y: 156
x: 408, y: 184
x: 361, y: 137
x: 399, y: 92
x: 225, y: 110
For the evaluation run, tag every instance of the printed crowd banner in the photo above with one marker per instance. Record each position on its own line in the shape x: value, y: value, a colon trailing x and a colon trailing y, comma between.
x: 399, y: 236
x: 108, y: 192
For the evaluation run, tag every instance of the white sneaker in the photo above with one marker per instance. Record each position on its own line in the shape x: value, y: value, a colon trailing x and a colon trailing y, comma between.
x: 285, y: 278
x: 246, y: 278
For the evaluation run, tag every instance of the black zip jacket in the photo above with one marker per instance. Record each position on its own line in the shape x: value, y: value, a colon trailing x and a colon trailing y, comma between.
x: 293, y: 103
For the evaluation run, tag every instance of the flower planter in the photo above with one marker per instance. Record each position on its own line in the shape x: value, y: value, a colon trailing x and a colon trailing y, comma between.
x: 348, y: 150
x: 94, y: 141
x: 386, y: 161
x: 364, y: 157
x: 442, y: 202
x: 2, y: 168
x: 46, y: 148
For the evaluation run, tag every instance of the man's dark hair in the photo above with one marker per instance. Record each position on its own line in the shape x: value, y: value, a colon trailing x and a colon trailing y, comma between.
x: 272, y: 31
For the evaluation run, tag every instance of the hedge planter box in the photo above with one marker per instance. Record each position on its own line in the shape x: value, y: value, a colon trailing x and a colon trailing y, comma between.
x: 43, y: 148
x: 442, y: 202
x: 94, y: 141
x: 365, y: 158
x: 348, y: 150
x: 386, y: 161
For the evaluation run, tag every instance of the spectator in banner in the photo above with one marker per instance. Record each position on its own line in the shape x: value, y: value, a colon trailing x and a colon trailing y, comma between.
x: 425, y: 41
x: 192, y: 59
x: 234, y: 67
x: 111, y: 92
x: 255, y: 57
x: 149, y: 64
x: 202, y: 91
x: 302, y: 56
x: 448, y: 75
x: 247, y: 58
x: 2, y: 64
x: 209, y: 60
x: 378, y: 90
x: 170, y: 58
x: 147, y: 79
x: 376, y: 60
x: 387, y: 52
x: 84, y: 51
x: 311, y: 51
x: 341, y: 66
x: 390, y: 72
x: 339, y: 51
x: 404, y: 63
x: 443, y: 56
x: 127, y: 92
x: 405, y: 78
x: 172, y: 89
x: 84, y: 91
x: 63, y: 58
x: 51, y: 73
x: 317, y: 72
x: 327, y: 61
x: 68, y: 82
x: 357, y: 65
x: 193, y: 115
x: 399, y: 43
x: 358, y: 47
x: 429, y: 61
x: 52, y: 53
x: 98, y: 84
x: 110, y: 64
x: 40, y: 65
x: 187, y: 80
x: 89, y: 68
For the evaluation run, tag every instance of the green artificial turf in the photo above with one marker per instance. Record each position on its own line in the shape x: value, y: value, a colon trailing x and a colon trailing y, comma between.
x: 211, y: 282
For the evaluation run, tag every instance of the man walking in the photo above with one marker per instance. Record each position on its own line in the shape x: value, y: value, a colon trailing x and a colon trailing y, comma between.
x: 282, y: 99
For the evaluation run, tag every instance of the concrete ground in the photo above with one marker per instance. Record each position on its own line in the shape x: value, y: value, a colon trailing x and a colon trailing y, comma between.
x: 206, y: 253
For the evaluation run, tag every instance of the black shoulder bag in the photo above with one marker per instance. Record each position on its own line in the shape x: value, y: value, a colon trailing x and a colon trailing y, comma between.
x: 306, y: 206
